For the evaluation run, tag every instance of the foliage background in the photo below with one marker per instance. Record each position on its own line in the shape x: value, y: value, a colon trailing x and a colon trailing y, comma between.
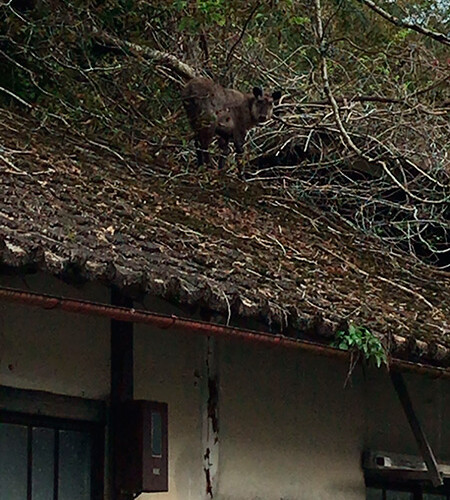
x: 67, y: 64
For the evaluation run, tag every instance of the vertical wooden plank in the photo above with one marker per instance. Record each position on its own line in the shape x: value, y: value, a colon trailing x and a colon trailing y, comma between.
x: 121, y: 353
x: 422, y: 442
x: 210, y: 419
x: 121, y: 384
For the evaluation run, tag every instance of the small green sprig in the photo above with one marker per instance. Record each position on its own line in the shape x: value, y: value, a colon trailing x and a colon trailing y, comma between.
x: 359, y: 338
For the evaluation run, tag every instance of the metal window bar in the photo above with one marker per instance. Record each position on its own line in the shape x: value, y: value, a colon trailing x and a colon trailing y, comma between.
x: 30, y: 462
x: 56, y: 465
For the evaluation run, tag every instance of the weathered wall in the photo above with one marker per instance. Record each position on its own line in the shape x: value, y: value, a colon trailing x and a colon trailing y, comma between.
x: 168, y: 368
x: 386, y: 424
x: 288, y: 422
x: 52, y: 350
x: 288, y: 429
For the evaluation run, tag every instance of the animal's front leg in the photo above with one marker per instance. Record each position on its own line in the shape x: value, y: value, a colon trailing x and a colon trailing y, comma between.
x: 205, y: 138
x: 224, y: 150
x: 239, y: 146
x: 199, y: 153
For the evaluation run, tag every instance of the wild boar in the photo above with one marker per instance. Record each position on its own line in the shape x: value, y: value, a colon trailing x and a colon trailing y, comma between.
x: 229, y: 114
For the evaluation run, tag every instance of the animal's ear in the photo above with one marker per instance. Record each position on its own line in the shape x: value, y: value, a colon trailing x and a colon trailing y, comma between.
x: 257, y: 92
x: 276, y: 96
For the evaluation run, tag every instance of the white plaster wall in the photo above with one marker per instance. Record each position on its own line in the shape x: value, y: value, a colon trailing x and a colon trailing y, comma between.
x: 54, y: 351
x: 288, y: 428
x: 168, y: 367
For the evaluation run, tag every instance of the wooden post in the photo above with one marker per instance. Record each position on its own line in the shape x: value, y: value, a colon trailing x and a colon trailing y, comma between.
x: 121, y: 383
x: 422, y: 442
x: 210, y: 419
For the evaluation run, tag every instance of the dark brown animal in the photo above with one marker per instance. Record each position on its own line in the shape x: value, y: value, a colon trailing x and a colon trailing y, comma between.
x: 213, y: 110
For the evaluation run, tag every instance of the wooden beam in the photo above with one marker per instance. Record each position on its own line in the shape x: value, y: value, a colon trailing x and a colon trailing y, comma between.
x: 122, y: 374
x: 47, y: 404
x: 422, y: 442
x: 121, y: 353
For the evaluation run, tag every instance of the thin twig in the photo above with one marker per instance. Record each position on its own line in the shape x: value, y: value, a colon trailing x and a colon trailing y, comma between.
x: 236, y: 43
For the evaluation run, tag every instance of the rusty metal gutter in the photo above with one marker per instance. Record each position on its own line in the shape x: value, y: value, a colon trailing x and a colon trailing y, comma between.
x: 187, y: 326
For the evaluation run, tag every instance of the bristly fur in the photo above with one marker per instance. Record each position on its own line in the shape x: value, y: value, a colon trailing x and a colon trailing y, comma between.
x: 229, y: 114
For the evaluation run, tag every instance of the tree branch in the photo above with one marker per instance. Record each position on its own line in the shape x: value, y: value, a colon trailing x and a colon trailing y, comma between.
x: 236, y: 43
x: 345, y: 137
x: 168, y: 60
x: 440, y: 37
x: 19, y: 99
x: 326, y: 83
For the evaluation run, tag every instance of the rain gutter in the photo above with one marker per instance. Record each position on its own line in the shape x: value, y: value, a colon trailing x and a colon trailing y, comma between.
x: 191, y: 327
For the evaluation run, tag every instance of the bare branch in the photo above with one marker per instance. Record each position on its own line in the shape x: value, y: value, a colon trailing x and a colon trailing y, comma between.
x: 165, y: 59
x: 19, y: 99
x: 326, y: 84
x: 440, y: 37
x: 236, y: 43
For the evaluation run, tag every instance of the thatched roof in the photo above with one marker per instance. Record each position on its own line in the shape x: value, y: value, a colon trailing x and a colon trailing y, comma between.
x: 211, y: 240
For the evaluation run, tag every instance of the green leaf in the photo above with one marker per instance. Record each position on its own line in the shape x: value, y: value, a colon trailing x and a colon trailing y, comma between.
x: 299, y: 20
x: 360, y: 338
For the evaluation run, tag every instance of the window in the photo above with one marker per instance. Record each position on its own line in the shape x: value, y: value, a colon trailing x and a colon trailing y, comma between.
x: 387, y: 494
x: 405, y: 492
x: 50, y: 459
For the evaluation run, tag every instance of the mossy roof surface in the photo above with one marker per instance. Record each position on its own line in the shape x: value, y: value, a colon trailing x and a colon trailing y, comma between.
x: 205, y: 238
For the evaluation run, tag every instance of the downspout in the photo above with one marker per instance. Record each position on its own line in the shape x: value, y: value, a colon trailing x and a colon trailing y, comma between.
x: 188, y: 326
